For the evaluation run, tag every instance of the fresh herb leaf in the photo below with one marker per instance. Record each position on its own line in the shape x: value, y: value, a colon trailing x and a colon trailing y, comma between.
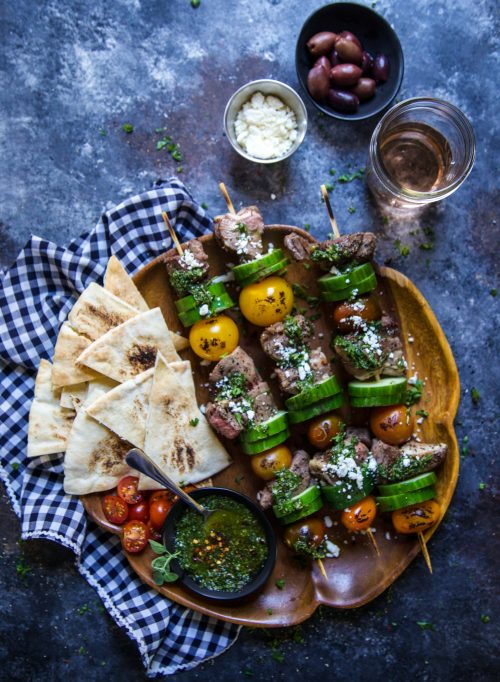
x: 351, y: 209
x: 307, y: 227
x: 102, y: 132
x: 194, y: 422
x: 128, y: 128
x: 385, y: 219
x: 329, y: 186
x: 157, y: 547
x: 238, y: 479
x: 422, y: 413
x: 270, y: 612
x: 413, y: 393
x: 464, y: 450
x: 482, y: 486
x: 306, y: 266
x: 82, y: 650
x: 299, y: 291
x: 22, y: 568
x: 161, y: 567
x: 349, y: 177
x: 204, y: 205
x: 402, y: 248
x: 475, y: 395
x: 485, y: 618
x: 15, y: 466
x: 195, y: 3
x: 280, y: 583
x: 248, y: 673
x: 424, y: 625
x: 493, y: 292
x: 332, y: 171
x: 278, y: 656
x: 180, y: 169
x: 85, y: 608
x: 426, y: 246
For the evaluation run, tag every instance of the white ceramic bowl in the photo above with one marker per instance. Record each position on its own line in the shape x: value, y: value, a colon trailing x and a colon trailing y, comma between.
x: 267, y: 87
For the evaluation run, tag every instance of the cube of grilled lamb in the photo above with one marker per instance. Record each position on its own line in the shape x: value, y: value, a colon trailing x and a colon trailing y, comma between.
x: 358, y: 247
x: 384, y: 353
x: 319, y: 365
x: 289, y: 378
x: 263, y: 402
x: 300, y: 466
x: 222, y: 420
x: 385, y: 455
x: 421, y: 451
x: 193, y: 256
x: 237, y: 361
x: 241, y: 233
x: 411, y: 459
x: 299, y: 247
x: 274, y: 339
x: 318, y: 464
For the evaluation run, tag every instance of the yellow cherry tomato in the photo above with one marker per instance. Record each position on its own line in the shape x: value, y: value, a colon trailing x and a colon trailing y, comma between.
x: 268, y: 463
x: 361, y: 515
x: 417, y: 518
x: 213, y: 338
x: 264, y: 303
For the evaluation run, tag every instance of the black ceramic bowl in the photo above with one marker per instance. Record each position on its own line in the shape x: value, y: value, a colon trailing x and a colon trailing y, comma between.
x: 169, y: 530
x: 375, y: 35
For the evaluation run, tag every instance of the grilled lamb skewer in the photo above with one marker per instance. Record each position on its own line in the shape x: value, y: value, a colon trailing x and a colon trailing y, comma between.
x: 299, y: 466
x: 241, y: 233
x: 188, y: 269
x: 240, y: 397
x: 333, y: 253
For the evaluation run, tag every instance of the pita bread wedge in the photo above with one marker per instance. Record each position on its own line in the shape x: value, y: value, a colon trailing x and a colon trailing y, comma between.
x: 130, y: 348
x: 49, y: 423
x: 69, y: 346
x: 97, y: 311
x: 124, y: 409
x: 184, y: 452
x: 119, y: 283
x: 95, y: 457
x: 72, y: 397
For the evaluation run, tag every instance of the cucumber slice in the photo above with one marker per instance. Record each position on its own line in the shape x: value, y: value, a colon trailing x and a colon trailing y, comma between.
x: 415, y: 483
x: 298, y: 416
x: 347, y: 279
x: 370, y: 389
x: 297, y: 502
x: 302, y: 513
x: 393, y: 502
x: 188, y: 303
x: 219, y: 304
x: 278, y: 268
x: 265, y: 443
x: 353, y: 290
x: 278, y: 422
x: 346, y: 494
x: 377, y: 401
x: 321, y: 390
x: 247, y: 269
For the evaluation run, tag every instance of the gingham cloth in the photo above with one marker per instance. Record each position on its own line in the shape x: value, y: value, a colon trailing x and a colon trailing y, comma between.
x: 36, y: 294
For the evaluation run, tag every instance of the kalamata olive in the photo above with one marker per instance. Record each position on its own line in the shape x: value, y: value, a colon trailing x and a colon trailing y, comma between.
x: 366, y: 63
x: 381, y: 68
x: 334, y: 58
x: 321, y: 43
x: 345, y: 74
x: 350, y: 36
x: 364, y: 88
x: 318, y: 83
x: 349, y: 51
x: 324, y: 62
x: 342, y: 100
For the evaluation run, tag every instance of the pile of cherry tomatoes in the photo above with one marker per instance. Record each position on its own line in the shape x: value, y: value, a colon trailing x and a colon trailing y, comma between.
x: 141, y: 513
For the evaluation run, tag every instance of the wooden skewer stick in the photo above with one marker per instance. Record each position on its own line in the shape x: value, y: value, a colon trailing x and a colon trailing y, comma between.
x: 227, y: 198
x: 172, y: 233
x: 322, y: 568
x: 425, y: 551
x: 333, y: 222
x: 373, y: 541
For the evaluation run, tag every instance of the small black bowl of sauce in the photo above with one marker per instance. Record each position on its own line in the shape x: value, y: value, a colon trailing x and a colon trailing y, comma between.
x: 228, y: 559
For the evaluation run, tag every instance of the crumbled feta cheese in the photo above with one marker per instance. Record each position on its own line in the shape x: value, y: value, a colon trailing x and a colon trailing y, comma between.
x: 420, y: 420
x: 265, y: 127
x: 189, y: 260
x: 387, y: 535
x: 406, y: 462
x: 204, y: 310
x: 413, y: 380
x: 328, y: 521
x: 273, y: 196
x: 227, y: 277
x: 202, y: 409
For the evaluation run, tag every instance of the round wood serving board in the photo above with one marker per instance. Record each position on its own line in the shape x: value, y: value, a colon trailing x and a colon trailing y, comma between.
x: 358, y: 575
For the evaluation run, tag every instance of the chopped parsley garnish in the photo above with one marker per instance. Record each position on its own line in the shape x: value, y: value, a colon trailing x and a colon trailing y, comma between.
x: 82, y: 610
x: 360, y: 351
x: 333, y: 254
x: 204, y: 205
x: 329, y: 186
x: 475, y: 395
x: 15, y: 466
x: 349, y: 177
x: 241, y: 227
x: 482, y: 486
x: 422, y: 413
x: 270, y: 612
x: 183, y: 280
x: 195, y: 3
x: 172, y: 147
x: 352, y: 209
x: 128, y: 128
x: 194, y: 422
x: 426, y: 246
x: 485, y: 618
x: 413, y: 393
x: 307, y: 227
x: 399, y: 472
x: 402, y: 248
x: 306, y: 266
x: 424, y: 625
x: 238, y: 479
x: 280, y: 583
x: 286, y: 482
x: 102, y: 132
x: 278, y: 656
x: 493, y: 292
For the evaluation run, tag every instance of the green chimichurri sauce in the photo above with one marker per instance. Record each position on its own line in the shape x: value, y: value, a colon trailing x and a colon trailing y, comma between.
x: 224, y: 556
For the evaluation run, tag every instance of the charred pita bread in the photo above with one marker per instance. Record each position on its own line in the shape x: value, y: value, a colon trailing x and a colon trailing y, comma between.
x: 119, y: 283
x: 49, y: 423
x: 97, y: 311
x: 184, y: 452
x: 72, y: 397
x: 131, y: 348
x: 124, y: 409
x: 95, y: 456
x: 69, y: 346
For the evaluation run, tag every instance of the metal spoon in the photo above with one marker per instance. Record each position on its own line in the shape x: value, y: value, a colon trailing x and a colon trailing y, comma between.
x: 139, y: 460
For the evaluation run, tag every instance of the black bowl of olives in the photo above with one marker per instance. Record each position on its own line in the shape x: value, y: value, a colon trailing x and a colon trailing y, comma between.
x: 349, y: 61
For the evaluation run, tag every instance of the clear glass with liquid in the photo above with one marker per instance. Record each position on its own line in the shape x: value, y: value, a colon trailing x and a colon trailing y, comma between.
x: 421, y: 151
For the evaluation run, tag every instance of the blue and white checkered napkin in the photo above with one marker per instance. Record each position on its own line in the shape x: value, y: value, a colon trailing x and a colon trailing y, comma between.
x: 36, y: 294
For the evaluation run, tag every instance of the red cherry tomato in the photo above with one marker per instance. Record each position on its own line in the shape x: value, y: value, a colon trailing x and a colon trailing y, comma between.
x: 153, y: 533
x: 322, y: 429
x: 115, y: 509
x: 393, y: 424
x: 139, y: 512
x: 163, y: 495
x: 135, y: 536
x: 127, y: 489
x: 158, y: 510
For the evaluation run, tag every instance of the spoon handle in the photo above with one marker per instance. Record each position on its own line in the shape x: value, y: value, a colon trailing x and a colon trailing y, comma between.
x: 137, y: 459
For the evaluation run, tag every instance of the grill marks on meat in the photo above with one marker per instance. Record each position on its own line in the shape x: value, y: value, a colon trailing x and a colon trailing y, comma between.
x: 241, y: 233
x: 237, y: 361
x: 273, y: 339
x: 263, y: 402
x: 299, y: 247
x: 358, y: 247
x: 222, y: 420
x: 299, y: 466
x: 174, y: 261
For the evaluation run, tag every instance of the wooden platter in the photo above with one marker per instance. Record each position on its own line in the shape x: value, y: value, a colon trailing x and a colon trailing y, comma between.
x: 358, y: 575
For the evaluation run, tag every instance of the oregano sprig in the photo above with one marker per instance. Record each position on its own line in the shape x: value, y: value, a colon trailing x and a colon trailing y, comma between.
x: 161, y: 564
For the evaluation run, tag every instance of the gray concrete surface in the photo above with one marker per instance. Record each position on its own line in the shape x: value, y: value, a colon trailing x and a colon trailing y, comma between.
x: 71, y: 74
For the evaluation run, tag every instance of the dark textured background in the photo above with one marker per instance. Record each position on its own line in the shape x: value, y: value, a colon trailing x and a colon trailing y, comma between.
x: 72, y: 73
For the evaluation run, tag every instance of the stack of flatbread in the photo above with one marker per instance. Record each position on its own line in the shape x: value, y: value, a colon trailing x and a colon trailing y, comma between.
x: 116, y: 381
